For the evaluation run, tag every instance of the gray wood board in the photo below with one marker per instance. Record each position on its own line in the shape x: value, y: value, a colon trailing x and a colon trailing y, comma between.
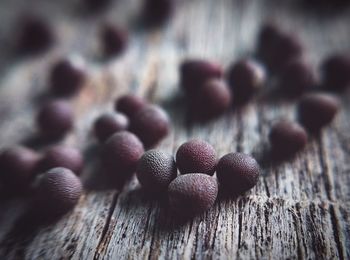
x: 299, y: 209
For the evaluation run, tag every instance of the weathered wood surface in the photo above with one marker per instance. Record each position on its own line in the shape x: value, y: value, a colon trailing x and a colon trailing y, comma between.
x: 299, y: 209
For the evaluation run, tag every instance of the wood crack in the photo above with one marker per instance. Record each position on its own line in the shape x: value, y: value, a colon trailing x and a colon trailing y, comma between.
x: 151, y: 244
x: 299, y: 209
x: 149, y: 213
x: 336, y: 231
x: 196, y: 241
x: 240, y: 203
x: 216, y: 226
x: 325, y: 169
x: 102, y: 244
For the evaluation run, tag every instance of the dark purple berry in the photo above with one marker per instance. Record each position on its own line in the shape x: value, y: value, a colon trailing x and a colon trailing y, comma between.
x: 317, y: 110
x: 58, y: 192
x: 245, y: 78
x: 151, y: 124
x: 121, y: 153
x: 237, y: 173
x: 114, y: 40
x: 267, y: 37
x: 17, y: 167
x: 108, y: 124
x: 287, y: 138
x: 196, y: 156
x: 277, y: 48
x: 157, y: 12
x: 296, y: 79
x: 156, y: 170
x: 129, y: 104
x: 62, y: 156
x: 211, y: 101
x: 55, y: 119
x: 195, y: 72
x: 67, y: 78
x: 289, y: 48
x: 35, y: 35
x: 192, y: 194
x: 336, y: 72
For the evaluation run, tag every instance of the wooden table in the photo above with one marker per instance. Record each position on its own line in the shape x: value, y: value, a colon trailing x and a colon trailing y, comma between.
x: 299, y: 209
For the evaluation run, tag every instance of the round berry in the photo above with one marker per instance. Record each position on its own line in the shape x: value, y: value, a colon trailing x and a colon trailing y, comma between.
x: 62, y: 156
x: 151, y: 124
x: 58, y: 192
x: 296, y: 79
x: 35, y: 35
x: 55, y: 119
x: 287, y: 138
x: 245, y: 77
x: 121, y: 153
x: 157, y: 12
x: 278, y: 48
x: 212, y: 101
x: 196, y: 156
x: 156, y: 170
x: 108, y: 124
x: 237, y: 173
x: 317, y: 110
x: 114, y: 40
x: 130, y: 104
x: 267, y: 37
x: 192, y: 194
x: 67, y: 78
x: 17, y: 167
x: 336, y: 72
x: 195, y: 72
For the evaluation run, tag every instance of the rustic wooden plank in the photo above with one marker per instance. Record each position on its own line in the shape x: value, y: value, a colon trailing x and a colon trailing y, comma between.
x: 299, y: 209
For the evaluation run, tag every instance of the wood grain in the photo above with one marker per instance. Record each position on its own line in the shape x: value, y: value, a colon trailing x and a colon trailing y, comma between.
x: 299, y: 209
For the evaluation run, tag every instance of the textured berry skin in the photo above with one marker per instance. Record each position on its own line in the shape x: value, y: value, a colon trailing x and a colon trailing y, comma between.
x: 66, y: 78
x: 287, y: 138
x: 195, y: 72
x: 121, y: 153
x: 317, y: 110
x: 108, y: 124
x: 62, y: 156
x: 114, y: 40
x: 157, y: 12
x: 192, y: 194
x: 277, y: 48
x: 237, y: 173
x: 245, y: 77
x: 296, y: 79
x: 212, y: 101
x: 17, y: 167
x: 55, y: 119
x: 336, y: 72
x: 151, y: 124
x: 156, y: 170
x: 196, y: 156
x: 130, y: 104
x: 35, y: 35
x: 58, y: 192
